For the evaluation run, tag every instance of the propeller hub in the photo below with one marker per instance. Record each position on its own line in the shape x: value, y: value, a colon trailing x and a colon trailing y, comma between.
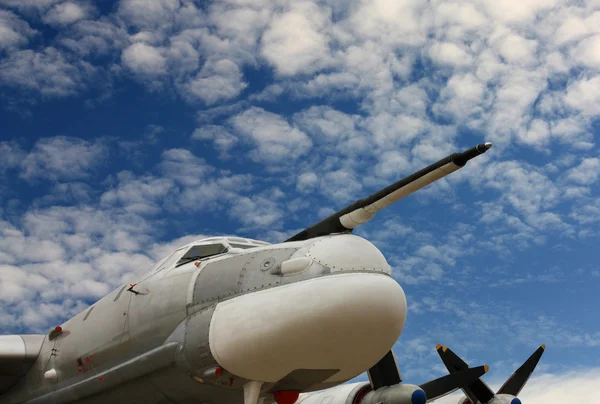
x: 515, y: 401
x: 418, y: 397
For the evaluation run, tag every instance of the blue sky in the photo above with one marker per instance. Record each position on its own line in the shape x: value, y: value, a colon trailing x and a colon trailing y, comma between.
x: 128, y: 128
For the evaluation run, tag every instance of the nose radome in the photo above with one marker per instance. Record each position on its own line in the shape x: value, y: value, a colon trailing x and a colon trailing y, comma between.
x: 346, y: 252
x: 343, y: 321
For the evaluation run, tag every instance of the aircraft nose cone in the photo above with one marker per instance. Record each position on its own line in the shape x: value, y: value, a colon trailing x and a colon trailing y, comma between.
x: 343, y: 321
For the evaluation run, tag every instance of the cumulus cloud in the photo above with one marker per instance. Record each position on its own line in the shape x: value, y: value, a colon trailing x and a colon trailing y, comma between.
x: 67, y: 13
x: 582, y: 97
x: 553, y: 388
x: 148, y: 14
x: 334, y: 130
x: 144, y: 59
x: 13, y: 155
x: 220, y: 136
x: 449, y: 54
x: 295, y: 41
x: 47, y: 71
x: 94, y: 37
x: 217, y: 81
x: 273, y: 138
x: 62, y: 157
x: 585, y: 173
x: 14, y: 32
x: 75, y: 260
x: 262, y: 211
x: 142, y: 195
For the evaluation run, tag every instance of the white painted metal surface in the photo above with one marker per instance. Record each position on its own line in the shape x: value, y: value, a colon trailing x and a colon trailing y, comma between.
x: 346, y: 253
x: 345, y: 321
x: 295, y: 265
x: 12, y: 347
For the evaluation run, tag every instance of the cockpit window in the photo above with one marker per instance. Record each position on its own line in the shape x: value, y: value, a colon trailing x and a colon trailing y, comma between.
x: 201, y: 251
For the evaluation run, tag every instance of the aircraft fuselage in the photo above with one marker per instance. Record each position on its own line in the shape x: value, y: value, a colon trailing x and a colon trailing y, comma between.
x: 298, y: 316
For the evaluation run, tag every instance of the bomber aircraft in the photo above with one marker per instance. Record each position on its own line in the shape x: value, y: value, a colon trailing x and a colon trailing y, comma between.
x: 478, y: 392
x: 230, y: 320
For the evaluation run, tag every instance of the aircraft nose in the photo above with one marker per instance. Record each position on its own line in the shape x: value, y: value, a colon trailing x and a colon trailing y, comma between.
x: 344, y: 322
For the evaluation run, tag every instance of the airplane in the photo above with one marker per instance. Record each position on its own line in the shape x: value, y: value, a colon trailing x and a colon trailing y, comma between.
x: 236, y: 320
x: 478, y: 392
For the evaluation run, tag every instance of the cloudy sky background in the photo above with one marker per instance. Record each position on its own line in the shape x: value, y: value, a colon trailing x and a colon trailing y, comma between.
x: 129, y: 128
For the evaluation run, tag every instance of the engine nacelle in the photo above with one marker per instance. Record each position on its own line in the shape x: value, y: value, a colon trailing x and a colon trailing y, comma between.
x: 361, y: 393
x: 343, y: 394
x: 397, y: 394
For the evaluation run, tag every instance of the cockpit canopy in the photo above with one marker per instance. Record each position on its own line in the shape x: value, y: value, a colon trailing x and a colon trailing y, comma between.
x: 198, y: 252
x: 212, y: 246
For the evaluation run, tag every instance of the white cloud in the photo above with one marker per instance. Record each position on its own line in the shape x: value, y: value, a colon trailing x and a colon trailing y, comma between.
x: 14, y: 32
x: 275, y: 140
x: 142, y: 195
x: 218, y: 81
x: 572, y: 29
x: 587, y: 52
x: 259, y: 211
x: 62, y: 157
x: 94, y: 37
x: 184, y: 167
x: 12, y: 155
x: 67, y: 13
x: 463, y: 99
x: 517, y: 50
x: 29, y: 6
x: 61, y: 257
x: 537, y: 135
x: 340, y: 185
x: 243, y: 25
x: 144, y: 59
x: 588, y: 213
x: 585, y: 173
x: 220, y: 136
x: 517, y: 11
x: 575, y: 386
x: 295, y: 41
x: 390, y: 23
x: 449, y: 54
x: 47, y: 71
x: 458, y: 19
x: 151, y: 14
x: 333, y: 129
x: 521, y: 185
x: 306, y: 181
x: 514, y: 99
x: 392, y: 164
x: 583, y: 96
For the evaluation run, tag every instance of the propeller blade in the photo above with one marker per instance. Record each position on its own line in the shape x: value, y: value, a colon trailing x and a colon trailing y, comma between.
x: 447, y: 384
x: 362, y: 210
x: 476, y: 390
x: 385, y: 372
x: 515, y: 383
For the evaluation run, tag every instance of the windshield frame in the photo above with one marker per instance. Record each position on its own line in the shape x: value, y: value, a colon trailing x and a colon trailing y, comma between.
x: 185, y: 259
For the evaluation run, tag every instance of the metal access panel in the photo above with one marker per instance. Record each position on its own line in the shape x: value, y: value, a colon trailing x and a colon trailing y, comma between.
x: 219, y: 280
x: 197, y: 345
x: 261, y: 268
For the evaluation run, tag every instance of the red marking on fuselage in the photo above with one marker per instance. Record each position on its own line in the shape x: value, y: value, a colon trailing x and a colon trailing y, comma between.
x: 286, y: 396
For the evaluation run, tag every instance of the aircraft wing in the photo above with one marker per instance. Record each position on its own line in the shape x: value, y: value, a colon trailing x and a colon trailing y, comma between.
x: 363, y: 210
x: 18, y: 353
